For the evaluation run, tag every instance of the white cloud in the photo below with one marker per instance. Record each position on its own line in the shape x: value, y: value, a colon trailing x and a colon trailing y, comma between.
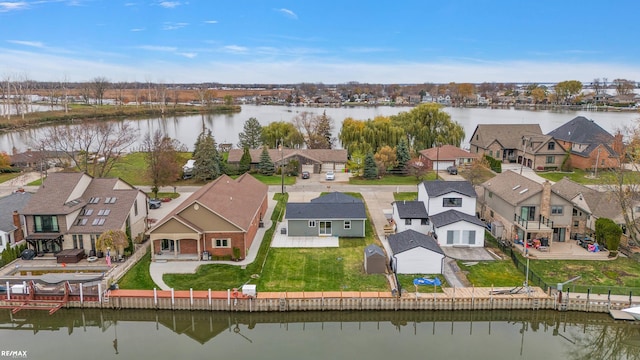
x: 36, y: 44
x: 235, y: 49
x: 137, y: 29
x: 13, y: 5
x: 158, y: 48
x: 189, y: 55
x: 288, y: 13
x: 211, y: 22
x: 170, y: 4
x: 173, y: 26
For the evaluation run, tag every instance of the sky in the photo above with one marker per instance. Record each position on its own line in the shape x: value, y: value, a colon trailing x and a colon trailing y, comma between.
x: 330, y: 42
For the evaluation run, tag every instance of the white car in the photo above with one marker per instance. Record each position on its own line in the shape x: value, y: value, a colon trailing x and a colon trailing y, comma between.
x: 330, y: 175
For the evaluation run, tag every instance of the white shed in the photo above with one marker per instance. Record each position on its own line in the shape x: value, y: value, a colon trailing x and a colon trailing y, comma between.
x: 415, y: 253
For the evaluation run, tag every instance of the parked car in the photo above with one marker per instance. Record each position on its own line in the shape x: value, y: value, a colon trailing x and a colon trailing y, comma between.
x: 154, y: 203
x: 452, y: 170
x: 306, y: 175
x: 330, y: 175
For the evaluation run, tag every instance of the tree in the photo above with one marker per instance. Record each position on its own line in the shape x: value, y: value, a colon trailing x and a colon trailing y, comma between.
x: 624, y: 86
x: 608, y: 233
x: 565, y: 90
x: 476, y: 174
x: 265, y: 166
x: 418, y: 168
x: 251, y: 136
x: 5, y: 160
x: 316, y: 130
x: 426, y: 125
x: 112, y: 239
x: 245, y: 161
x: 356, y: 163
x: 370, y: 135
x: 93, y: 148
x: 402, y: 155
x: 370, y: 167
x: 278, y: 131
x: 539, y: 94
x: 207, y: 163
x: 228, y: 100
x: 99, y: 86
x: 385, y: 159
x: 163, y: 161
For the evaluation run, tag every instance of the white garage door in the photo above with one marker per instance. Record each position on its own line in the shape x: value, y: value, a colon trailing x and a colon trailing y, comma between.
x: 308, y: 168
x: 339, y: 167
x: 442, y: 165
x: 327, y: 167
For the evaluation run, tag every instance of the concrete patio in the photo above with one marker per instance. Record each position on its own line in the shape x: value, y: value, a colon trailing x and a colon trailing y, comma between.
x: 569, y: 250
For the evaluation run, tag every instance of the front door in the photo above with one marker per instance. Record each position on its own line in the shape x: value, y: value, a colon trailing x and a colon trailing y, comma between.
x: 325, y: 228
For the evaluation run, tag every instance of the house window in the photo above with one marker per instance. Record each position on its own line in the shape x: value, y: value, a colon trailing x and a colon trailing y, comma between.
x: 452, y: 202
x: 407, y: 221
x: 497, y: 154
x: 135, y: 208
x: 98, y: 222
x: 551, y: 146
x: 93, y: 242
x: 46, y: 223
x: 347, y: 224
x: 637, y: 209
x: 221, y: 243
x: 81, y: 222
x: 469, y: 237
x: 551, y: 159
x: 491, y: 153
x: 576, y: 223
x: 490, y: 194
x: 491, y: 213
x: 557, y: 210
x: 86, y: 212
x: 453, y: 237
x: 78, y: 242
x: 575, y: 212
x: 94, y: 200
x: 312, y: 223
x: 424, y: 222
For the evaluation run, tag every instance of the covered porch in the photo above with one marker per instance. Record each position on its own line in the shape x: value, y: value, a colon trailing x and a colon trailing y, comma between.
x: 171, y: 247
x: 45, y: 243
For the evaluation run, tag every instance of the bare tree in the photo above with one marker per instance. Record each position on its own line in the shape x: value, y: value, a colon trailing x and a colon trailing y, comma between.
x: 91, y: 147
x: 624, y: 86
x: 316, y: 130
x: 100, y: 85
x: 161, y: 153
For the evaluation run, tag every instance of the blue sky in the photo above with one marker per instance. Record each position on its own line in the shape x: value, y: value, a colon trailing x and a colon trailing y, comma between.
x: 320, y: 41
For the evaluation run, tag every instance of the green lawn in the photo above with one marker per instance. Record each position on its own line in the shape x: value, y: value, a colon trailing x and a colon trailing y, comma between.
x: 138, y: 277
x: 408, y: 196
x: 8, y: 176
x: 498, y: 273
x: 392, y: 180
x: 274, y: 179
x: 586, y: 177
x: 406, y: 283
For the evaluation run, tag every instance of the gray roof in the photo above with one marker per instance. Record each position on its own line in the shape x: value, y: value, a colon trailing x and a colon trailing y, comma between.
x: 411, y: 239
x: 601, y: 204
x: 336, y: 198
x: 508, y: 135
x: 512, y: 187
x: 373, y: 249
x: 53, y: 196
x: 8, y: 204
x: 411, y: 210
x: 582, y: 131
x: 440, y: 187
x: 453, y: 216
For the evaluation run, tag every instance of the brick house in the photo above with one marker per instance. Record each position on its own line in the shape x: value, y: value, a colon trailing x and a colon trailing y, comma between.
x: 221, y: 218
x: 441, y: 157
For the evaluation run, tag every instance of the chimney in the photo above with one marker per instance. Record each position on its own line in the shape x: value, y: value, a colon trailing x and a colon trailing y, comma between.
x: 19, y: 234
x: 545, y: 202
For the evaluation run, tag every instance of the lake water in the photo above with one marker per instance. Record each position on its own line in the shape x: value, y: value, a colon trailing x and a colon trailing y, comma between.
x: 225, y: 127
x: 159, y: 335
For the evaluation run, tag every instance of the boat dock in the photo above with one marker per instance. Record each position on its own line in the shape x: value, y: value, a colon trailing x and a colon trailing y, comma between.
x: 621, y: 315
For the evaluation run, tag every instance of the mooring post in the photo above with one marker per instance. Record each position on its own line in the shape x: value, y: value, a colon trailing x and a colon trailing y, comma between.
x: 155, y: 297
x: 209, y: 297
x: 8, y: 291
x: 191, y: 296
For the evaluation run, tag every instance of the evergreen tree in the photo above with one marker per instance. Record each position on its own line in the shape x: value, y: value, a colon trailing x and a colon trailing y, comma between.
x: 266, y: 166
x: 370, y: 167
x: 251, y: 135
x: 207, y: 159
x: 245, y: 161
x: 402, y: 155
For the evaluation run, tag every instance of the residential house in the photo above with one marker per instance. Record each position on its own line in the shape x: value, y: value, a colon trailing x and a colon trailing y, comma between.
x: 71, y: 210
x: 525, y: 208
x: 454, y: 228
x: 410, y: 215
x: 589, y: 205
x: 311, y: 160
x: 333, y: 214
x: 415, y: 253
x: 541, y: 152
x: 441, y: 157
x: 221, y: 219
x: 503, y: 142
x: 439, y: 196
x: 11, y: 222
x: 591, y: 147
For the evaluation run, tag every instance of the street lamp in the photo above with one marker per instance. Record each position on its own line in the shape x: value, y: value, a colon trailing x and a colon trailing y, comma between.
x: 281, y: 149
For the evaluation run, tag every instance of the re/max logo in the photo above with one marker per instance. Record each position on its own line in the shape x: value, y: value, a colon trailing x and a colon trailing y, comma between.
x: 13, y: 353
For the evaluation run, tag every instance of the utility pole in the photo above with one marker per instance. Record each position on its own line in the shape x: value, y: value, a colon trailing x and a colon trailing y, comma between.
x: 524, y: 152
x: 281, y: 149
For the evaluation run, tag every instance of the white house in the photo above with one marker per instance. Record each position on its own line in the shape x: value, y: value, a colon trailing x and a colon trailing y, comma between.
x: 411, y: 215
x: 440, y: 196
x: 453, y: 228
x: 415, y: 253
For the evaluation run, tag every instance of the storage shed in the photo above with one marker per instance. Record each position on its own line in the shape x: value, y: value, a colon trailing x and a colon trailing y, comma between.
x: 375, y: 261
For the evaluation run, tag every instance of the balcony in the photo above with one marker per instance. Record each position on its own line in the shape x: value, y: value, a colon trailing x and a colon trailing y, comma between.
x: 543, y: 224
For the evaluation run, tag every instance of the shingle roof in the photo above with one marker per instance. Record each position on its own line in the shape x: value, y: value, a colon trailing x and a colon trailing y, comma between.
x: 53, y: 197
x: 453, y: 216
x: 325, y: 211
x: 410, y: 239
x: 318, y: 155
x: 447, y: 153
x: 601, y: 204
x: 512, y: 187
x: 373, y: 249
x: 8, y: 204
x: 411, y: 210
x: 235, y: 200
x: 582, y: 131
x: 336, y: 198
x: 508, y: 135
x: 440, y: 187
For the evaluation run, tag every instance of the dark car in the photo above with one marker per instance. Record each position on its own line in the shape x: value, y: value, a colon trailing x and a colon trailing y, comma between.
x: 452, y: 170
x: 306, y: 175
x: 154, y: 203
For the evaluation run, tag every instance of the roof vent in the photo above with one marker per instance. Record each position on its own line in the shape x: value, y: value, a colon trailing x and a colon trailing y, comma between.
x: 515, y: 187
x: 523, y: 191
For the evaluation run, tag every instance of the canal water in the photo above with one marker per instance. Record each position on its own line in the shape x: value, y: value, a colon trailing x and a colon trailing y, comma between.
x: 225, y: 127
x: 492, y: 335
